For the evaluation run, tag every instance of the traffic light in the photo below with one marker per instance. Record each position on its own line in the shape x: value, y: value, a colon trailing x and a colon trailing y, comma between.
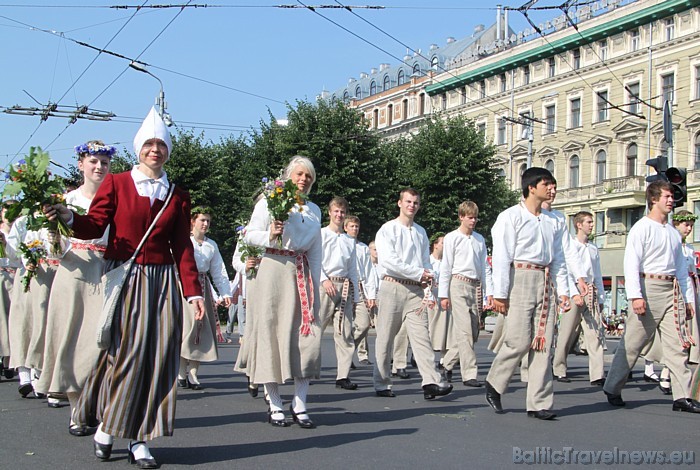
x: 660, y: 165
x: 678, y: 177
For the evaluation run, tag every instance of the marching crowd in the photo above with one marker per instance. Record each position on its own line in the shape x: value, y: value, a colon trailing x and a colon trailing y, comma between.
x: 429, y: 292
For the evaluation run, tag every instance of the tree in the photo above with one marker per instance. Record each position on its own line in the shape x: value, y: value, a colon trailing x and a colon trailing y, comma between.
x: 448, y: 162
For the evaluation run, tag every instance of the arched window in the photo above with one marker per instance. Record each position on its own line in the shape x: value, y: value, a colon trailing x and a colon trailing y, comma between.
x: 523, y: 167
x: 358, y: 92
x: 346, y: 96
x: 416, y: 68
x: 401, y: 78
x: 434, y: 63
x: 697, y: 152
x: 574, y: 172
x: 372, y: 88
x: 387, y: 83
x: 502, y: 173
x: 600, y: 161
x: 404, y: 109
x: 421, y: 104
x: 632, y: 160
x: 549, y: 165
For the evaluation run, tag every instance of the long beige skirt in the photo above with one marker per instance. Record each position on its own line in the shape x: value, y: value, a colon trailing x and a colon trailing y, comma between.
x: 6, y: 280
x: 71, y: 351
x: 273, y: 350
x: 28, y: 318
x: 199, y: 337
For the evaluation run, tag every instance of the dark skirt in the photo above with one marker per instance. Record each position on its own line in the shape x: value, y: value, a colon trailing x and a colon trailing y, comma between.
x: 132, y: 389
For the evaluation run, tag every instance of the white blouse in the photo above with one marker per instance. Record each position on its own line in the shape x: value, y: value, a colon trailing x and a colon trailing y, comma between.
x: 208, y: 259
x: 77, y: 198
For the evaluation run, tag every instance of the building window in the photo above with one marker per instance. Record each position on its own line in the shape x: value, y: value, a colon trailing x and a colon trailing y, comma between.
x: 501, y: 134
x: 697, y: 82
x: 696, y: 152
x: 632, y: 160
x: 389, y: 115
x: 346, y: 96
x: 549, y: 165
x: 602, y: 105
x: 635, y: 39
x: 574, y: 172
x: 669, y: 29
x: 633, y: 216
x: 434, y: 63
x: 550, y: 119
x: 504, y: 84
x: 603, y: 50
x: 416, y: 69
x: 526, y: 75
x: 481, y: 128
x: 482, y: 89
x: 575, y: 113
x: 421, y: 109
x: 552, y: 66
x: 523, y: 167
x: 404, y: 109
x: 372, y: 88
x: 633, y: 98
x: 667, y: 85
x: 358, y: 93
x: 387, y: 83
x: 576, y: 58
x: 401, y: 77
x: 599, y: 229
x: 375, y: 118
x: 463, y: 95
x: 443, y: 101
x: 525, y: 123
x: 600, y: 160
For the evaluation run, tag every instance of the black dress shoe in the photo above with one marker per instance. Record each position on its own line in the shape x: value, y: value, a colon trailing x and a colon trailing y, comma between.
x: 401, y: 373
x: 413, y: 361
x: 472, y: 383
x: 448, y: 376
x: 141, y: 463
x: 8, y: 373
x: 563, y: 379
x: 279, y: 423
x: 345, y: 384
x: 614, y: 400
x: 493, y: 398
x: 194, y: 386
x: 599, y: 382
x: 80, y: 430
x: 305, y: 423
x: 385, y: 393
x: 541, y: 414
x: 253, y: 390
x: 665, y: 389
x: 686, y: 404
x: 431, y: 391
x: 182, y: 383
x: 651, y: 378
x: 25, y: 389
x: 102, y: 451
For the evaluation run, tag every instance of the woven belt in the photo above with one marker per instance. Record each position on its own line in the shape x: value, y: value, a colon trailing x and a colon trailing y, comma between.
x: 8, y: 270
x: 305, y: 286
x: 397, y: 280
x: 88, y: 247
x: 466, y: 279
x: 344, y: 295
x: 407, y: 282
x: 685, y: 338
x: 49, y: 261
x: 591, y: 300
x: 540, y: 340
x: 479, y: 291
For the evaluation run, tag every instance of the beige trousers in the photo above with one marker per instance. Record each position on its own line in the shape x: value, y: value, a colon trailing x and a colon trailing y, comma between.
x: 400, y: 351
x: 640, y: 329
x: 526, y: 298
x: 465, y: 324
x: 568, y: 334
x: 330, y: 314
x: 360, y: 329
x: 399, y: 305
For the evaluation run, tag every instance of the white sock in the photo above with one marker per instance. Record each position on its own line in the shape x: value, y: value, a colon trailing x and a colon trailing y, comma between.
x: 140, y: 451
x: 273, y: 394
x: 25, y: 376
x: 301, y: 389
x: 649, y: 368
x: 665, y: 373
x: 36, y: 373
x: 182, y: 373
x: 102, y: 437
x: 194, y: 367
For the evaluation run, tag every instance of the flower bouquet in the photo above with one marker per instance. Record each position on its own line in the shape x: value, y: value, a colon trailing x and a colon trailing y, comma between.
x: 33, y: 252
x: 281, y: 197
x: 35, y: 186
x: 247, y: 250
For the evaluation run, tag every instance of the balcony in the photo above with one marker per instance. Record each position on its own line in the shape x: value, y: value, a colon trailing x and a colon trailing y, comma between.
x: 620, y: 185
x: 626, y: 191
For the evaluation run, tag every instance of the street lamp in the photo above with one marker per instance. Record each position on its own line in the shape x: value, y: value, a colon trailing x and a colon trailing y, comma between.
x: 160, y: 100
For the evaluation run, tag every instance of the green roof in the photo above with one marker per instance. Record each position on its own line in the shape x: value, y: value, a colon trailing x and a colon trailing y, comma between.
x: 572, y: 41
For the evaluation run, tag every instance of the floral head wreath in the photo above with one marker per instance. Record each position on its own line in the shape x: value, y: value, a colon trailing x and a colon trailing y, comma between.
x: 685, y: 217
x: 91, y: 148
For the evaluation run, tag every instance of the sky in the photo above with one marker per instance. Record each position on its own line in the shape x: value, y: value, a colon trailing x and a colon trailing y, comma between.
x: 223, y: 68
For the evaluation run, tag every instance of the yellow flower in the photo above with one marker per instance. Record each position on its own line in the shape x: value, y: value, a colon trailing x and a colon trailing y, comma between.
x: 33, y: 244
x: 272, y: 195
x: 279, y: 190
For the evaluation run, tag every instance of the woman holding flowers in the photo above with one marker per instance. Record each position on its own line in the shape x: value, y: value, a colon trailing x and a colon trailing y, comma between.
x: 199, y: 337
x: 132, y: 390
x: 71, y: 351
x: 283, y: 340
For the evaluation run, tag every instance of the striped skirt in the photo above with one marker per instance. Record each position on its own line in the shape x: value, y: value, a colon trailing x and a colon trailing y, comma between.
x: 132, y: 388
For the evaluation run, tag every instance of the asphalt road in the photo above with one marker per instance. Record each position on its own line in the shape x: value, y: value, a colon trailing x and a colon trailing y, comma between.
x: 223, y: 427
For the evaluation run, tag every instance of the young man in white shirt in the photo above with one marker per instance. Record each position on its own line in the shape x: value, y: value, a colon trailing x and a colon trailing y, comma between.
x: 586, y: 308
x: 464, y: 277
x: 339, y: 289
x: 366, y: 281
x: 656, y: 282
x: 527, y: 257
x: 404, y: 295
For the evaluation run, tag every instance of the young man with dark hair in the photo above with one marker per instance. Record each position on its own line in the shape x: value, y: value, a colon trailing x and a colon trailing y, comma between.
x: 656, y: 281
x: 404, y: 294
x: 527, y: 255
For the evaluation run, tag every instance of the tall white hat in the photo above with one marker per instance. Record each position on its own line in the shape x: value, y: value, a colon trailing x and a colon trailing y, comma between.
x: 152, y: 127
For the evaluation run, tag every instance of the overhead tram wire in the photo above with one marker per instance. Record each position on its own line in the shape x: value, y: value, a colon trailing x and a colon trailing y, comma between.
x: 277, y: 6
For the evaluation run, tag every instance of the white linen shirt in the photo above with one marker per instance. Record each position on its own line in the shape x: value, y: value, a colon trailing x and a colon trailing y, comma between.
x: 571, y: 255
x: 655, y: 248
x: 208, y: 259
x: 365, y: 270
x: 403, y: 252
x: 465, y: 255
x: 519, y: 235
x: 339, y: 258
x: 590, y: 263
x: 77, y: 199
x: 149, y: 187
